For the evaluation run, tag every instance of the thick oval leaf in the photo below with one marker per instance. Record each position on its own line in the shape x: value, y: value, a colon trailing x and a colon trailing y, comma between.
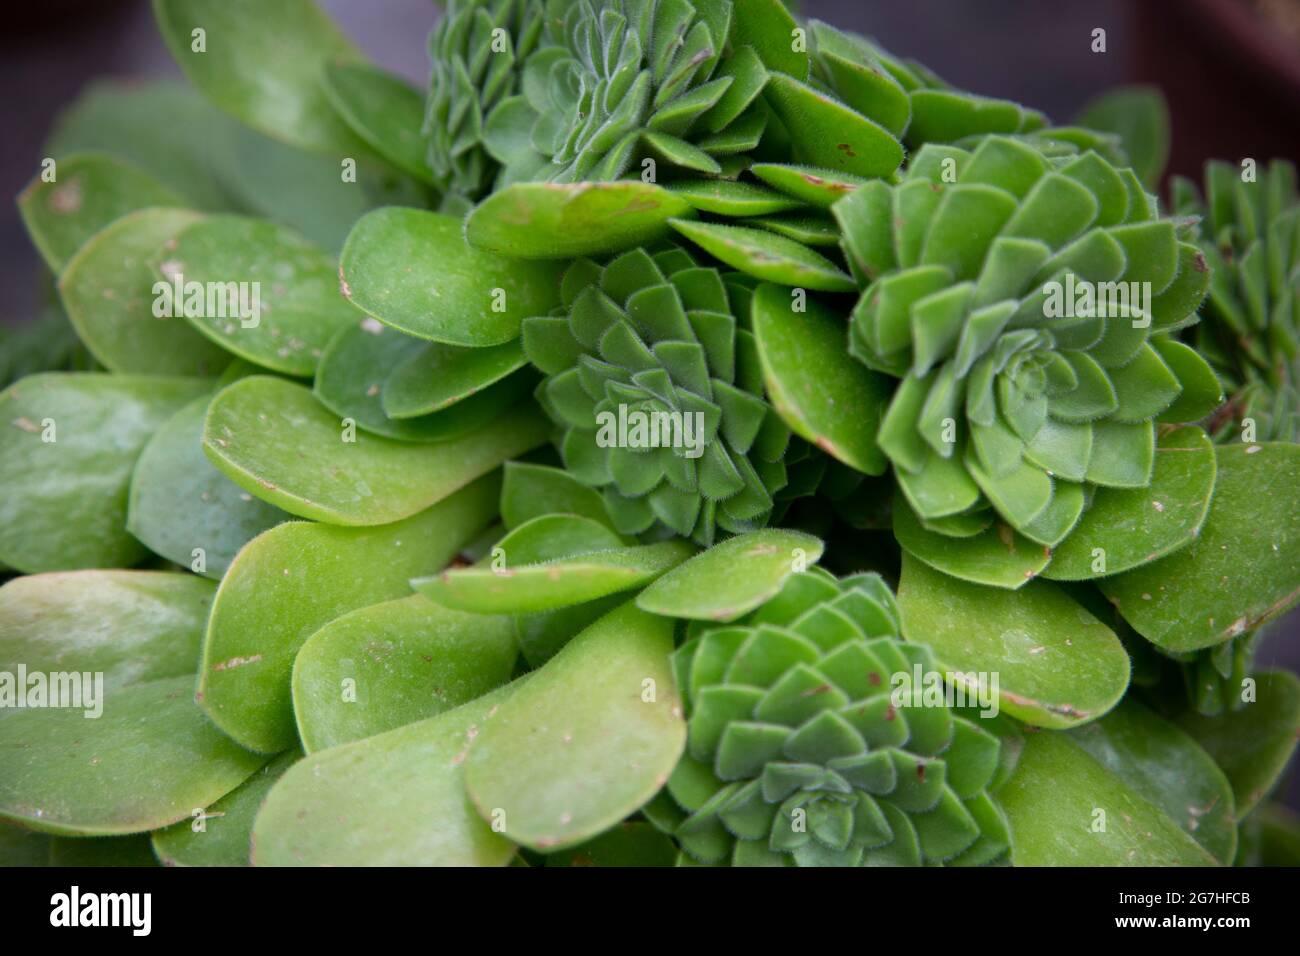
x: 288, y: 582
x: 62, y: 773
x: 825, y: 132
x: 590, y: 738
x: 434, y: 376
x: 397, y: 799
x: 1052, y: 802
x: 183, y: 508
x: 392, y: 664
x: 821, y: 392
x: 129, y: 626
x: 565, y: 221
x: 352, y: 371
x: 90, y: 190
x: 1134, y: 526
x: 412, y: 269
x: 383, y: 111
x: 530, y: 491
x: 1168, y: 768
x: 812, y: 184
x: 732, y: 578
x: 766, y: 256
x: 262, y: 62
x: 1241, y: 571
x: 227, y: 827
x: 1254, y: 743
x: 532, y: 588
x: 272, y: 438
x: 998, y: 556
x: 267, y: 294
x: 68, y: 443
x: 108, y: 291
x: 1055, y: 664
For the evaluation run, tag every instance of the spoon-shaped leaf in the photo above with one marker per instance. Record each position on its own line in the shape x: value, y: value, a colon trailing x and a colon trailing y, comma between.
x: 532, y: 588
x: 434, y: 376
x: 530, y: 491
x: 262, y: 62
x: 565, y: 221
x: 590, y: 738
x: 183, y: 508
x: 1141, y: 747
x: 351, y: 375
x: 997, y: 556
x: 1068, y: 809
x: 732, y: 578
x: 1241, y: 571
x: 820, y: 391
x: 90, y: 191
x: 227, y: 834
x: 108, y: 291
x: 272, y: 438
x: 412, y: 269
x: 289, y: 581
x: 1056, y: 665
x: 392, y: 664
x: 1254, y: 743
x: 1134, y: 526
x: 400, y: 796
x: 68, y: 442
x: 283, y: 310
x: 130, y: 626
x: 146, y: 762
x: 383, y: 111
x: 766, y: 256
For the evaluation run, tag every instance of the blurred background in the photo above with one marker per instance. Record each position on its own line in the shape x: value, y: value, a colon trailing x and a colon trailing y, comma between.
x: 1230, y: 70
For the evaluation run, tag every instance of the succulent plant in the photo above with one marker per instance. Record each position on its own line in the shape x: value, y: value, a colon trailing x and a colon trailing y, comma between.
x: 1017, y: 397
x: 1250, y: 236
x: 798, y: 751
x: 362, y: 591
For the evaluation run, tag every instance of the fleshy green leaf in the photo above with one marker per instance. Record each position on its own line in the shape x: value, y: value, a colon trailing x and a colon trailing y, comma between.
x: 997, y: 556
x: 90, y: 191
x: 733, y: 577
x: 590, y: 738
x: 413, y: 270
x: 383, y: 111
x: 1134, y: 526
x: 289, y: 581
x: 766, y: 255
x: 62, y: 773
x: 272, y: 438
x: 68, y: 442
x: 436, y: 376
x: 402, y: 661
x: 530, y: 491
x: 1056, y: 664
x: 1140, y: 117
x: 564, y: 221
x: 400, y: 793
x: 820, y: 391
x: 1241, y: 571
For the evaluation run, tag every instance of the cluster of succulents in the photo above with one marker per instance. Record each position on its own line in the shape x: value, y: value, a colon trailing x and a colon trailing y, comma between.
x: 683, y: 434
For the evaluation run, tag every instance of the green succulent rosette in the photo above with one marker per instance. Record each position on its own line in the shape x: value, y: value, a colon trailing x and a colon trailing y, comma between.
x: 657, y: 342
x: 1019, y: 392
x: 477, y: 52
x: 1250, y: 235
x: 615, y: 82
x: 804, y: 746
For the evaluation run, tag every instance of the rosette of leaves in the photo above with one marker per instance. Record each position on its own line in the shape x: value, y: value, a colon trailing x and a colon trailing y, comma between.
x: 798, y: 752
x: 622, y: 80
x: 477, y: 51
x: 1019, y: 394
x: 656, y: 338
x: 1250, y: 235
